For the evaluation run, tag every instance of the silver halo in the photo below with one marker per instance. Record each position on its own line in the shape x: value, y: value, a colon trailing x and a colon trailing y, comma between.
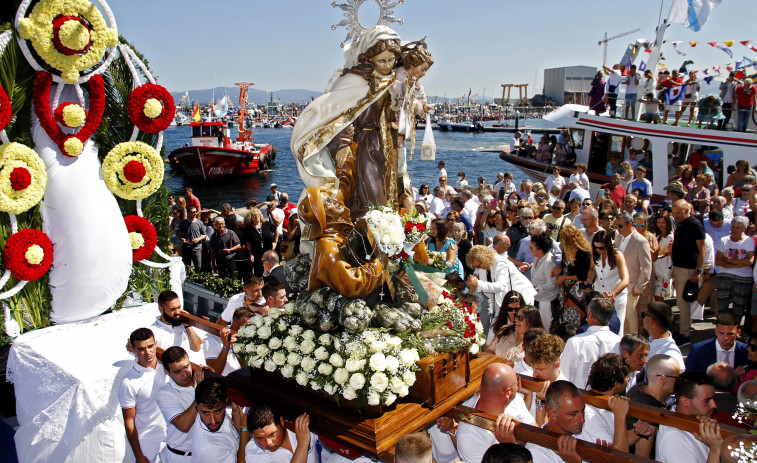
x: 352, y: 23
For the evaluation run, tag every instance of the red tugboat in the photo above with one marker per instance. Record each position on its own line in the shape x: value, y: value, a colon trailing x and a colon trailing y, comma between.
x: 214, y: 155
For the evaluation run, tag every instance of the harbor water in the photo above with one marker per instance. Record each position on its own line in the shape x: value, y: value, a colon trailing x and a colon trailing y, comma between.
x: 476, y: 154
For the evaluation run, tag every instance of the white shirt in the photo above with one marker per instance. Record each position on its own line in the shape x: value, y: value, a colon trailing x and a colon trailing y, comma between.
x: 220, y: 446
x: 436, y: 207
x: 720, y: 353
x: 735, y: 250
x: 599, y: 424
x: 523, y: 368
x: 442, y: 173
x: 212, y: 348
x: 553, y: 181
x: 668, y: 347
x: 579, y: 193
x: 253, y: 452
x: 442, y: 448
x: 471, y: 207
x: 582, y: 350
x: 624, y: 241
x: 236, y: 301
x: 278, y: 214
x: 675, y: 446
x: 582, y: 180
x: 544, y: 455
x: 139, y: 389
x: 174, y: 400
x: 168, y: 335
x: 472, y: 441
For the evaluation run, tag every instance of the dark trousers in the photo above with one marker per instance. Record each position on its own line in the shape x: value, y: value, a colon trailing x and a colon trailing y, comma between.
x: 727, y: 110
x: 192, y: 257
x: 226, y: 268
x: 612, y: 102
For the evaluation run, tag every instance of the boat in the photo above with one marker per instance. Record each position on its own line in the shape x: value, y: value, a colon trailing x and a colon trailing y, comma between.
x: 213, y: 155
x: 446, y: 126
x: 598, y: 138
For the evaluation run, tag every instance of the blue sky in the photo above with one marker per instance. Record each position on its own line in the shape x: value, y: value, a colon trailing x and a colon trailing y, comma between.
x: 478, y: 44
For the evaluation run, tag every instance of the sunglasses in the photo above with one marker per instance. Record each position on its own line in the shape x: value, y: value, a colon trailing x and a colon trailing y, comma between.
x: 526, y: 218
x: 541, y: 197
x: 600, y: 248
x: 520, y: 318
x: 587, y: 204
x: 556, y: 207
x: 513, y: 309
x: 639, y: 224
x: 669, y: 376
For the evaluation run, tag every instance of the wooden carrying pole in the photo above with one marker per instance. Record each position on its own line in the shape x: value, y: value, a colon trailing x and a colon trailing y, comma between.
x: 543, y: 438
x: 644, y: 412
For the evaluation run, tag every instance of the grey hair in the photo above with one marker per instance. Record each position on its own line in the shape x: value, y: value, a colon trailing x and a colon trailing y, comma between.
x: 727, y: 190
x: 741, y: 220
x: 538, y: 225
x: 631, y: 342
x: 460, y: 225
x: 573, y: 184
x: 559, y: 202
x: 625, y: 216
x: 524, y: 210
x: 219, y: 219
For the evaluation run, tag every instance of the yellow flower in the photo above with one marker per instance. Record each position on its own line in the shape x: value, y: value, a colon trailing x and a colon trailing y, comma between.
x: 13, y: 155
x: 34, y: 254
x: 73, y: 146
x: 153, y: 108
x: 122, y: 154
x: 137, y: 240
x: 74, y: 115
x: 74, y: 35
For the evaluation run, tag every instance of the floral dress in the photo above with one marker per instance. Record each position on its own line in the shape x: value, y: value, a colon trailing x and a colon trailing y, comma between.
x: 663, y: 268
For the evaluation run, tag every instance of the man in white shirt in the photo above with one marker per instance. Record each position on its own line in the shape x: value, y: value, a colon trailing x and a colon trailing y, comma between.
x: 273, y: 213
x: 590, y: 222
x: 695, y: 396
x: 564, y: 405
x: 577, y: 192
x: 554, y: 180
x: 218, y: 350
x: 582, y: 350
x: 612, y: 87
x: 176, y: 400
x: 635, y: 349
x: 471, y: 203
x: 169, y: 330
x: 251, y: 296
x: 657, y: 318
x: 216, y: 433
x: 137, y: 395
x: 497, y: 395
x: 632, y: 81
x: 437, y: 203
x: 461, y: 182
x: 272, y: 442
x: 442, y: 172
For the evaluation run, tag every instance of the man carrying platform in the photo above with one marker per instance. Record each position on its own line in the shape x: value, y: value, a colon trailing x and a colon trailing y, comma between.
x: 218, y: 350
x: 272, y: 442
x: 251, y: 296
x: 216, y: 435
x: 169, y: 330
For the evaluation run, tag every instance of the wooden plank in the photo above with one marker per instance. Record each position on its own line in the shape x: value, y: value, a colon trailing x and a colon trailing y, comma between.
x: 201, y: 323
x: 533, y: 434
x: 641, y: 411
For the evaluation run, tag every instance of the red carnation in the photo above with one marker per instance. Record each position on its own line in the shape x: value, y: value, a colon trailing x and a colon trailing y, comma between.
x: 6, y: 111
x: 449, y: 323
x: 135, y: 224
x: 14, y: 254
x: 420, y: 227
x: 136, y: 107
x: 134, y: 171
x: 20, y: 178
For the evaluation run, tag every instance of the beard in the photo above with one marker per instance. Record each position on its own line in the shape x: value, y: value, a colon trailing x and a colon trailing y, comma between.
x: 173, y: 321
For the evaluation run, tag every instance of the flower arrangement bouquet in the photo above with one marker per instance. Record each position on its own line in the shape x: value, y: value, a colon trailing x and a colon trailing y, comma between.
x: 414, y: 224
x: 438, y: 260
x: 387, y: 229
x: 372, y: 367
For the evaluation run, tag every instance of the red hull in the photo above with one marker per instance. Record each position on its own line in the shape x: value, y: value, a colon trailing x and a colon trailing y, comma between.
x: 207, y: 163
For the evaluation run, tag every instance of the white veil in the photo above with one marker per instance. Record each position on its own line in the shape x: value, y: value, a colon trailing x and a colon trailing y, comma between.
x: 367, y: 39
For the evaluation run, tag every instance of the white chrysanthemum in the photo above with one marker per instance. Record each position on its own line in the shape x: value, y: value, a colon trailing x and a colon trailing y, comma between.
x: 274, y: 314
x: 294, y: 359
x: 325, y: 369
x: 408, y: 357
x: 238, y: 348
x: 396, y: 384
x: 257, y: 362
x: 324, y: 339
x: 279, y: 358
x: 301, y: 378
x: 393, y: 341
x: 289, y: 308
x: 257, y: 321
x: 389, y: 399
x: 262, y: 350
x: 378, y: 362
x: 307, y: 364
x: 307, y: 346
x: 329, y: 388
x: 357, y: 381
x: 354, y: 365
x: 321, y: 353
x: 392, y: 364
x: 308, y: 334
x: 289, y: 343
x: 336, y: 360
x: 267, y: 321
x: 374, y: 215
x: 373, y: 398
x: 379, y: 382
x: 270, y: 366
x: 473, y: 349
x: 281, y: 326
x: 295, y: 330
x: 264, y: 332
x: 341, y: 376
x: 274, y: 343
x: 349, y: 393
x: 378, y: 346
x: 408, y: 377
x: 404, y: 391
x: 287, y: 371
x: 315, y: 386
x: 250, y: 348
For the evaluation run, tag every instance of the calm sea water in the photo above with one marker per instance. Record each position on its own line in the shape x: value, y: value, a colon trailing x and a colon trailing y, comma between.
x: 460, y: 152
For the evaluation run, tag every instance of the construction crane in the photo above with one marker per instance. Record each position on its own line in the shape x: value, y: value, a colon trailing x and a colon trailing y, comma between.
x: 607, y: 39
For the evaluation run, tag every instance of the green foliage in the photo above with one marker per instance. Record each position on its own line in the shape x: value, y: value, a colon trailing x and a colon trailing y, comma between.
x: 224, y: 287
x: 17, y: 78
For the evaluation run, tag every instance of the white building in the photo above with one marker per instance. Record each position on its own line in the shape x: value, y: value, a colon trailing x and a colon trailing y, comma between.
x: 569, y: 84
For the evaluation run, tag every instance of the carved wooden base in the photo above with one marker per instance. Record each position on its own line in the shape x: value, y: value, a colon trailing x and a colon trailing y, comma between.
x: 373, y: 436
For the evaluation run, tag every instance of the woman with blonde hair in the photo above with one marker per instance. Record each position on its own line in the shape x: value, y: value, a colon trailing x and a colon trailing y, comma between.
x: 576, y: 257
x: 258, y: 237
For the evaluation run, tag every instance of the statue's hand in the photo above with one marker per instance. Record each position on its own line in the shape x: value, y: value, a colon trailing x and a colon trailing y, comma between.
x: 342, y: 155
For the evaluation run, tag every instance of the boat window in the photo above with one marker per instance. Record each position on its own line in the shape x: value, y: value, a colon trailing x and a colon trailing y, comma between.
x: 196, y: 131
x: 577, y: 135
x: 206, y: 131
x: 616, y: 145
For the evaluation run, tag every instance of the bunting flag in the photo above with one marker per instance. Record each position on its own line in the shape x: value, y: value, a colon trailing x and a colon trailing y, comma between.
x: 675, y: 47
x: 725, y: 49
x: 196, y: 112
x: 740, y: 75
x: 728, y: 43
x: 750, y: 61
x: 693, y: 44
x: 642, y: 66
x: 708, y: 79
x: 674, y: 94
x: 738, y: 64
x: 705, y: 71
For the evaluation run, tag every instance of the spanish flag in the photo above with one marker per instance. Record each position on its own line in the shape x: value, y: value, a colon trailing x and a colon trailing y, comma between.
x: 196, y: 112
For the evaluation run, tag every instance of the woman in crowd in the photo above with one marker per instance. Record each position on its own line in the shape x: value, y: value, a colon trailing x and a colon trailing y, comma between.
x: 498, y: 225
x: 641, y: 224
x: 463, y: 245
x: 511, y: 213
x: 687, y: 177
x: 546, y: 299
x: 736, y: 179
x: 541, y: 208
x: 440, y: 242
x: 576, y: 260
x: 512, y: 198
x: 542, y: 150
x: 610, y: 273
x: 480, y: 227
x: 609, y: 206
x: 597, y: 93
x: 507, y: 341
x: 179, y: 215
x: 452, y: 218
x: 260, y: 236
x: 527, y: 190
x: 663, y: 265
x: 574, y: 211
x: 710, y: 184
x: 424, y: 194
x: 699, y: 196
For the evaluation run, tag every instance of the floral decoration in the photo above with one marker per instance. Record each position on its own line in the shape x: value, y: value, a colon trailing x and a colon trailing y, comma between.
x: 70, y: 114
x: 438, y: 260
x: 70, y: 145
x: 6, y: 110
x: 69, y: 35
x: 122, y: 176
x: 142, y: 235
x: 151, y: 108
x: 28, y: 254
x: 387, y: 230
x: 23, y: 178
x: 415, y: 227
x: 371, y: 367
